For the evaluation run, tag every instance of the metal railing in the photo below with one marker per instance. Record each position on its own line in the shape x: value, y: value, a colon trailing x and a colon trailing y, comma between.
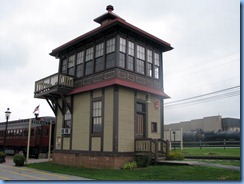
x: 52, y: 81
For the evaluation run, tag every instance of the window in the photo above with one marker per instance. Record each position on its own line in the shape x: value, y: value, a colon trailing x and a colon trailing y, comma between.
x: 88, y: 64
x: 130, y: 65
x: 140, y: 52
x: 110, y: 46
x: 156, y: 62
x: 122, y: 49
x: 79, y: 64
x: 110, y: 57
x: 122, y: 60
x: 71, y: 65
x: 122, y: 45
x: 64, y: 66
x: 99, y: 50
x: 97, y: 117
x: 88, y: 67
x: 140, y: 68
x: 131, y: 48
x: 140, y: 107
x: 140, y: 63
x: 149, y: 63
x: 154, y: 127
x: 67, y: 119
x: 99, y: 58
x: 89, y: 54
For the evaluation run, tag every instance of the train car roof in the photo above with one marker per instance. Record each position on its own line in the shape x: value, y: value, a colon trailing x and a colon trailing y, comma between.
x: 24, y: 123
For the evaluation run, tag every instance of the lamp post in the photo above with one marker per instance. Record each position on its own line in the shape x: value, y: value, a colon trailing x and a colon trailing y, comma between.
x: 174, y: 139
x: 7, y: 115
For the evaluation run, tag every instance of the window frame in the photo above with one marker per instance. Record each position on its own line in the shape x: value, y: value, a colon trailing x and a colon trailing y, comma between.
x: 97, y: 117
x: 79, y: 63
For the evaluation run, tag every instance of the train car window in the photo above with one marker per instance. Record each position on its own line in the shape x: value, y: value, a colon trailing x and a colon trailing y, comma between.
x: 37, y: 131
x: 32, y: 132
x: 25, y: 132
x: 45, y: 132
x: 20, y: 132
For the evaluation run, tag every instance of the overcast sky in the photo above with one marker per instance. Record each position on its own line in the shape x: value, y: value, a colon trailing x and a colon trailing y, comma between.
x: 205, y: 36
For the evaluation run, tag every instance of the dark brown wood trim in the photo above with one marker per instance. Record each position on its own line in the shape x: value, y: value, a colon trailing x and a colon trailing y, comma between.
x: 71, y: 135
x: 162, y: 118
x: 115, y: 118
x: 90, y: 132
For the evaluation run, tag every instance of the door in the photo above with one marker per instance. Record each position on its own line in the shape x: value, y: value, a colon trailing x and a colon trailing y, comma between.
x: 140, y: 126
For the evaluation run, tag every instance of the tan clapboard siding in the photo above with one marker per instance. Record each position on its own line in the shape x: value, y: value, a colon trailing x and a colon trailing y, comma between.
x: 66, y: 143
x: 108, y: 119
x: 81, y: 122
x: 97, y: 93
x: 126, y: 120
x: 153, y: 116
x: 96, y: 144
x: 59, y: 126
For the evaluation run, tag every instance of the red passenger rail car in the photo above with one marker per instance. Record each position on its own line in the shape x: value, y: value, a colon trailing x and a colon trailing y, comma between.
x: 17, y: 135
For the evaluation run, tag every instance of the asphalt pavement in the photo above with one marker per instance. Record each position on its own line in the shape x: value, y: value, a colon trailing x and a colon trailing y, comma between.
x: 8, y: 171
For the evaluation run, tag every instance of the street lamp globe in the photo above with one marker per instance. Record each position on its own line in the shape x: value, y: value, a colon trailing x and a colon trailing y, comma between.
x: 7, y: 113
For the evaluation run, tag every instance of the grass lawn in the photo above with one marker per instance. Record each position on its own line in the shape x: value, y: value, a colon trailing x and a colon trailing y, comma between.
x: 162, y: 173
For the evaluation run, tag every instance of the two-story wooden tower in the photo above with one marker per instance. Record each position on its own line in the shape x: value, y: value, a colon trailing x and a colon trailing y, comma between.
x: 108, y: 93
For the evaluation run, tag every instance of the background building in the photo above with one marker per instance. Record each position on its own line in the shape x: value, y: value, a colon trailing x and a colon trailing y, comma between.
x: 212, y: 123
x: 107, y: 93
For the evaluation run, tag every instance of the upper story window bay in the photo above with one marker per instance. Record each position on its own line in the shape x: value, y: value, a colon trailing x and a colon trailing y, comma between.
x: 107, y: 53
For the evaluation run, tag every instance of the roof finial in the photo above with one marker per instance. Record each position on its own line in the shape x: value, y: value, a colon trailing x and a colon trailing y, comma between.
x: 110, y: 8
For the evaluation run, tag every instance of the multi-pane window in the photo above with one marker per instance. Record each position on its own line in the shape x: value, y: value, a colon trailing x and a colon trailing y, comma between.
x: 140, y: 68
x: 71, y: 65
x: 99, y: 59
x: 99, y: 50
x: 89, y: 54
x: 130, y: 63
x: 97, y: 117
x: 64, y: 66
x: 156, y: 68
x: 122, y: 60
x: 67, y: 118
x: 140, y: 52
x: 110, y: 55
x: 149, y: 63
x: 122, y: 49
x: 122, y: 45
x: 110, y: 45
x: 140, y: 62
x: 131, y: 50
x: 79, y: 64
x: 88, y: 64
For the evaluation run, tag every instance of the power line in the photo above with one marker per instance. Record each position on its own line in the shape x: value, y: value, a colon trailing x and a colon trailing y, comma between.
x: 216, y: 95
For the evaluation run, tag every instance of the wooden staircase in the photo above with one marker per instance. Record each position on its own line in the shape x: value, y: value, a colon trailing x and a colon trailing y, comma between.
x: 158, y: 149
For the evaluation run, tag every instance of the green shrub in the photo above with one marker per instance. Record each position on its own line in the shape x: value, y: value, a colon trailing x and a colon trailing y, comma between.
x: 130, y: 165
x: 19, y: 160
x: 2, y: 157
x: 143, y: 160
x: 176, y: 155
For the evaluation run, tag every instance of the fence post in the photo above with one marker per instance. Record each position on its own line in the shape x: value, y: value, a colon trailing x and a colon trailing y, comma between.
x: 224, y: 144
x: 200, y: 143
